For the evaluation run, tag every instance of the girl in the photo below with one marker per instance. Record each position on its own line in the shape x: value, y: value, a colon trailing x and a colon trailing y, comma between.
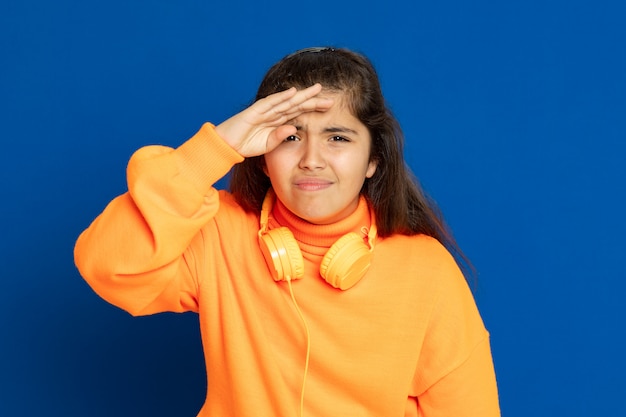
x: 322, y: 279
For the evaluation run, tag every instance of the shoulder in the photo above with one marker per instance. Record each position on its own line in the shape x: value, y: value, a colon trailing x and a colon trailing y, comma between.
x: 228, y: 200
x: 421, y: 260
x: 232, y: 212
x: 419, y: 249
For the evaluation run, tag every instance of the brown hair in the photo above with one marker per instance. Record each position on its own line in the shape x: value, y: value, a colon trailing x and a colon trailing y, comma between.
x: 399, y: 203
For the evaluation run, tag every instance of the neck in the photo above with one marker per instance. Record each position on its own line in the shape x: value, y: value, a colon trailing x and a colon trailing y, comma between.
x: 315, y: 239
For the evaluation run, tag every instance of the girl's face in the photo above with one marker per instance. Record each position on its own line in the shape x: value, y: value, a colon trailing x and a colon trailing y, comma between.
x: 318, y: 172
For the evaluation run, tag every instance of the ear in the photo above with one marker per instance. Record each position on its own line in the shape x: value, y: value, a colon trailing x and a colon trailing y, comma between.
x: 371, y: 168
x: 264, y: 167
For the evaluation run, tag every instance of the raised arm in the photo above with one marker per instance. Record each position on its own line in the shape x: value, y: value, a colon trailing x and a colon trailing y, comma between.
x: 137, y: 254
x: 132, y: 255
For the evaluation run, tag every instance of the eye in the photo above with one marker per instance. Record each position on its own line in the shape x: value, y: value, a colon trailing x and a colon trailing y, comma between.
x: 339, y: 139
x: 292, y: 138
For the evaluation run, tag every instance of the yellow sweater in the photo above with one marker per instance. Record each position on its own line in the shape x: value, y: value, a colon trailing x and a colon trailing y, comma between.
x: 407, y: 340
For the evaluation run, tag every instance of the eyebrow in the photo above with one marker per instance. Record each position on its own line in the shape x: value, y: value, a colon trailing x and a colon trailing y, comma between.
x: 332, y: 129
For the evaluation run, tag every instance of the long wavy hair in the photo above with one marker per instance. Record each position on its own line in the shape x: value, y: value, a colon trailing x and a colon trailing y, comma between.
x: 399, y: 202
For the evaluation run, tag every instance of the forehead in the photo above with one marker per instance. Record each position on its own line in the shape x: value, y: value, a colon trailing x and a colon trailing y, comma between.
x: 340, y: 98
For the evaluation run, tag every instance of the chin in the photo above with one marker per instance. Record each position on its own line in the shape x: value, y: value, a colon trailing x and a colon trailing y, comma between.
x: 321, y: 219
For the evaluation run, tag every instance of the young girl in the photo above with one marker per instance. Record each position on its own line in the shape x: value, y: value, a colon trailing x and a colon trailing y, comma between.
x: 322, y: 279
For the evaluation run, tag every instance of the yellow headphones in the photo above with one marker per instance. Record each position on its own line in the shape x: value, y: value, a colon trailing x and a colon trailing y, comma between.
x: 344, y: 264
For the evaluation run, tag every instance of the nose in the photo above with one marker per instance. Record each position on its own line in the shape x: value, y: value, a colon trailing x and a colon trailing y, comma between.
x: 312, y: 157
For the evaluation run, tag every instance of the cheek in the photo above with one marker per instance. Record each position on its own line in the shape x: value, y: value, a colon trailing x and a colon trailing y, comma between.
x: 272, y: 163
x: 364, y: 168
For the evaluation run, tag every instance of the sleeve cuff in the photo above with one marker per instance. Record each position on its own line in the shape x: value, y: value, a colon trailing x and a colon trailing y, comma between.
x: 206, y: 157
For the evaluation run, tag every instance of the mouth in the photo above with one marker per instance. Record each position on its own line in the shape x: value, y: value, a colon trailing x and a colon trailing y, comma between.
x: 312, y: 184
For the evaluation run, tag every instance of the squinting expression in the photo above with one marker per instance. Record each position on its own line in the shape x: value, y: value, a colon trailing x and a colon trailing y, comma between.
x: 318, y: 172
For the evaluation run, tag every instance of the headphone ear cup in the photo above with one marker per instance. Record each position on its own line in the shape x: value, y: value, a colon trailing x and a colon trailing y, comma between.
x: 346, y: 262
x: 282, y: 254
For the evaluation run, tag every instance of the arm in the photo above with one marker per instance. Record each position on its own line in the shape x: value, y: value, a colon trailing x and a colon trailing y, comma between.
x: 468, y: 390
x: 139, y: 254
x: 455, y: 375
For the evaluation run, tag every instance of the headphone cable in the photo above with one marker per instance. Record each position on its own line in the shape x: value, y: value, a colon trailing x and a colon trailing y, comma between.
x: 308, y: 346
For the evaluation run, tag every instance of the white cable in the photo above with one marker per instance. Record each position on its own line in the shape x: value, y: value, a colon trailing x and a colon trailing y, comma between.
x: 308, y: 346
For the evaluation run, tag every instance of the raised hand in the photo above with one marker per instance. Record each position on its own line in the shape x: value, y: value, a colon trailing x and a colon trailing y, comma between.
x: 261, y: 127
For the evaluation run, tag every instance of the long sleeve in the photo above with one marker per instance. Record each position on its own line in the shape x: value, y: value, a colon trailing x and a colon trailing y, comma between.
x: 138, y: 253
x: 468, y: 390
x: 455, y: 374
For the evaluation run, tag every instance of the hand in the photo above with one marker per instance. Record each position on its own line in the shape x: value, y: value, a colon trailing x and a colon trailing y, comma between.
x: 261, y: 127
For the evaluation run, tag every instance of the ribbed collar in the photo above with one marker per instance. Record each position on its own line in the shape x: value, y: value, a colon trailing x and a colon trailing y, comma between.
x: 316, y: 239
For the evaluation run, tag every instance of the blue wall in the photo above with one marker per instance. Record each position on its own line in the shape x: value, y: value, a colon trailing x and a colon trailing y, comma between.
x: 514, y: 114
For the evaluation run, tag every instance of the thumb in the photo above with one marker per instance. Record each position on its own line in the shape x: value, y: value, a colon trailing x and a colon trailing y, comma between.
x: 279, y: 135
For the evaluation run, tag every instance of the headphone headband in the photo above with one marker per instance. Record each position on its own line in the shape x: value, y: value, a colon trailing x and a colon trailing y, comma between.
x: 344, y: 264
x: 266, y: 209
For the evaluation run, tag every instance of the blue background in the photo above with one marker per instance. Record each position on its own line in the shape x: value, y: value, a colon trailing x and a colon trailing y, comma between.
x: 514, y: 114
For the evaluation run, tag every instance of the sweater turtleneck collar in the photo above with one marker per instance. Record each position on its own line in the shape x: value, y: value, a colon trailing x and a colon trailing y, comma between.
x: 315, y: 239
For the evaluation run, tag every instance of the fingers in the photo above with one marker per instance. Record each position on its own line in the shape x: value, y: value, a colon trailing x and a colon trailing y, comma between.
x: 262, y: 126
x: 290, y: 95
x: 288, y: 104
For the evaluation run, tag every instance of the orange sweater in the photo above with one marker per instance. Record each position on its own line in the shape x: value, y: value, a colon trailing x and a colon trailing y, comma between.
x: 407, y: 340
